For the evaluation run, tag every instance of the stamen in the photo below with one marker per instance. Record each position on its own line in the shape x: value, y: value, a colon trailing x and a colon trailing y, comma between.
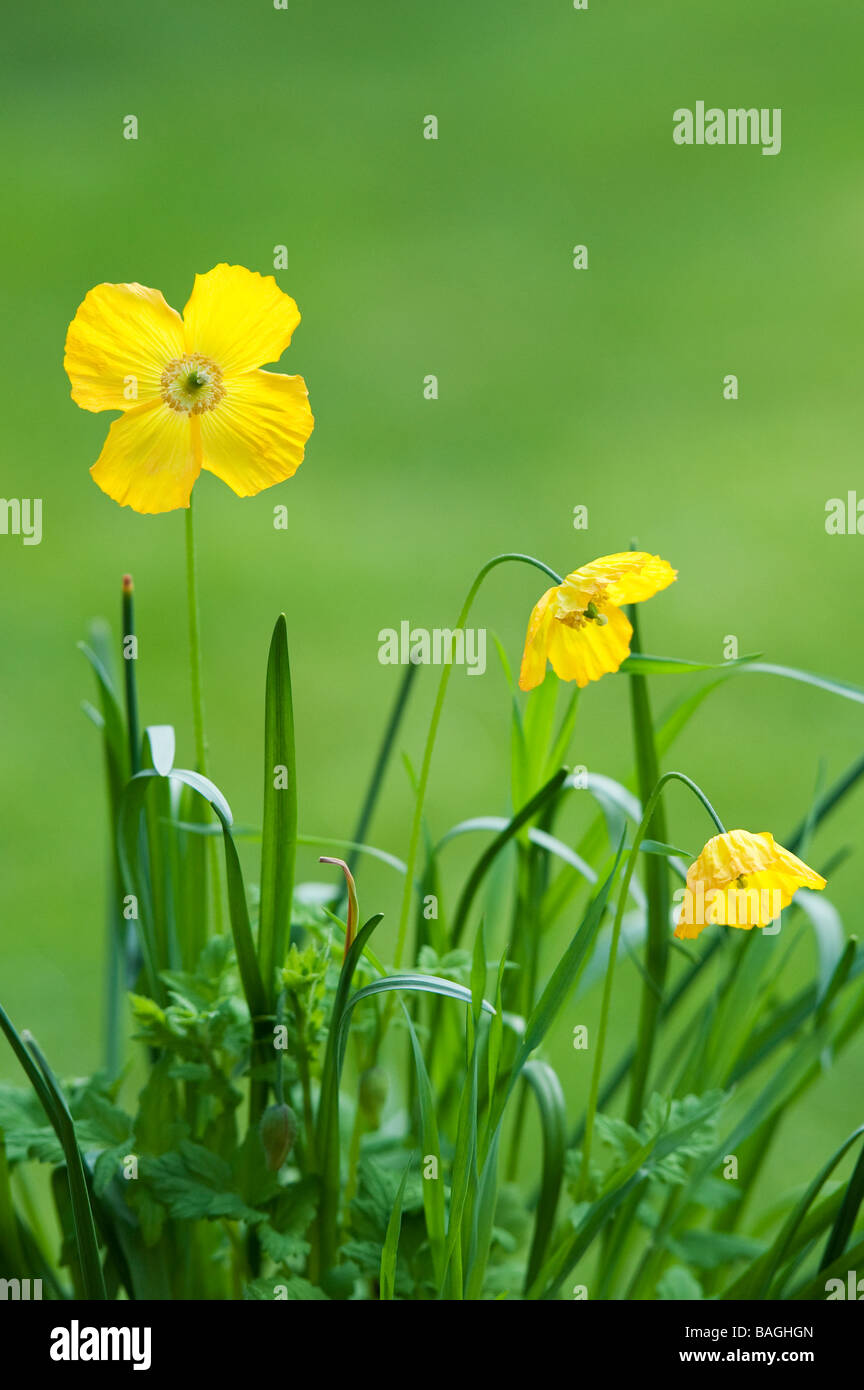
x: 593, y: 614
x: 192, y: 384
x: 578, y: 618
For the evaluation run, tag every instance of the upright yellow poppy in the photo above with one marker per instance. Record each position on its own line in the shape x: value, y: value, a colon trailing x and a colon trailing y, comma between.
x: 190, y: 390
x: 741, y: 880
x: 579, y: 626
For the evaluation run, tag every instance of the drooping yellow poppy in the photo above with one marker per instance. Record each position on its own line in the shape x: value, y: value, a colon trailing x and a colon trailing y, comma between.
x: 190, y: 388
x: 741, y: 880
x: 579, y: 626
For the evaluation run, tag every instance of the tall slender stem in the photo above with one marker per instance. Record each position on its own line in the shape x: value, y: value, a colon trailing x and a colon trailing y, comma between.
x: 129, y: 682
x: 384, y: 753
x: 423, y: 780
x: 195, y: 643
x: 647, y: 816
x: 201, y: 749
x: 656, y: 887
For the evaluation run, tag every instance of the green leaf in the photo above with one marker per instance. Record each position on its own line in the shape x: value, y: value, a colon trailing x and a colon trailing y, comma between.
x: 499, y: 824
x: 693, y: 1118
x: 817, y: 1287
x: 674, y: 1133
x: 162, y: 745
x: 328, y: 1149
x: 641, y: 664
x: 544, y: 1083
x: 279, y: 831
x: 757, y: 1283
x: 195, y: 1184
x: 254, y: 987
x: 566, y: 974
x: 412, y: 984
x: 10, y: 1240
x: 114, y: 730
x: 709, y: 1249
x: 678, y: 1284
x: 667, y: 851
x: 54, y: 1104
x: 433, y: 1188
x: 522, y: 817
x: 463, y: 1179
x: 847, y: 1216
x: 135, y: 876
x: 192, y: 898
x: 279, y: 1247
x: 833, y: 687
x: 656, y: 883
x: 830, y: 936
x: 387, y: 1278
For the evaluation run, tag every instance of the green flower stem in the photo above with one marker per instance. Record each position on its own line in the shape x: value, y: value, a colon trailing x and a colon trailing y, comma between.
x: 130, y: 686
x: 201, y: 749
x: 384, y: 754
x: 417, y: 823
x: 305, y: 1086
x: 656, y: 886
x: 641, y: 832
x: 195, y: 643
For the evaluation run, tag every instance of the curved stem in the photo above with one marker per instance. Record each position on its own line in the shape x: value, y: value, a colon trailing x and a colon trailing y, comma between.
x: 613, y: 954
x: 423, y: 780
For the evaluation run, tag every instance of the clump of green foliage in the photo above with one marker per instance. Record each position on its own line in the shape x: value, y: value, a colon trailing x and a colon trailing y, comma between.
x: 294, y: 1118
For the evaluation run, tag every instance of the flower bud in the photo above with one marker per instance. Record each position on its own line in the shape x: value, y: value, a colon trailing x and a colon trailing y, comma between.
x: 374, y: 1088
x: 353, y: 907
x: 278, y: 1130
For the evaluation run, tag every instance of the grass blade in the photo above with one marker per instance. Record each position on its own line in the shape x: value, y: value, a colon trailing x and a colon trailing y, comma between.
x: 546, y: 1086
x: 656, y: 889
x: 387, y: 1276
x: 54, y: 1104
x: 487, y: 859
x: 279, y: 830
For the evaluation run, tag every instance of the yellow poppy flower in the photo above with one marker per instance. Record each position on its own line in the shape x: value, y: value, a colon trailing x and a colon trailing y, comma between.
x: 741, y: 880
x: 190, y: 390
x: 579, y: 625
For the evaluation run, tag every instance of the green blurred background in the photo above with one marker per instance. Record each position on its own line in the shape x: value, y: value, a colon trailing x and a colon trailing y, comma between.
x: 260, y: 127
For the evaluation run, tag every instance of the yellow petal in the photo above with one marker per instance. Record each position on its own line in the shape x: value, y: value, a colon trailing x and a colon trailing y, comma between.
x: 769, y: 878
x: 533, y: 669
x: 118, y: 344
x: 150, y: 460
x: 787, y: 865
x: 256, y: 435
x: 688, y: 931
x: 585, y: 654
x: 239, y: 318
x: 627, y: 577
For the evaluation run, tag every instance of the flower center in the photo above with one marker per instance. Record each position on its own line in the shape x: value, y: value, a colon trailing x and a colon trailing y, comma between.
x: 192, y: 384
x: 580, y: 617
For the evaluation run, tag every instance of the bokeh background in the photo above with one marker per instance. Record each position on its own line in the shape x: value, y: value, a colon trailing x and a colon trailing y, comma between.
x: 260, y: 127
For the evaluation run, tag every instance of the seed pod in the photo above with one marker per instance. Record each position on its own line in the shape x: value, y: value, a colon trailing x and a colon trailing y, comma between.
x: 278, y: 1130
x: 374, y: 1088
